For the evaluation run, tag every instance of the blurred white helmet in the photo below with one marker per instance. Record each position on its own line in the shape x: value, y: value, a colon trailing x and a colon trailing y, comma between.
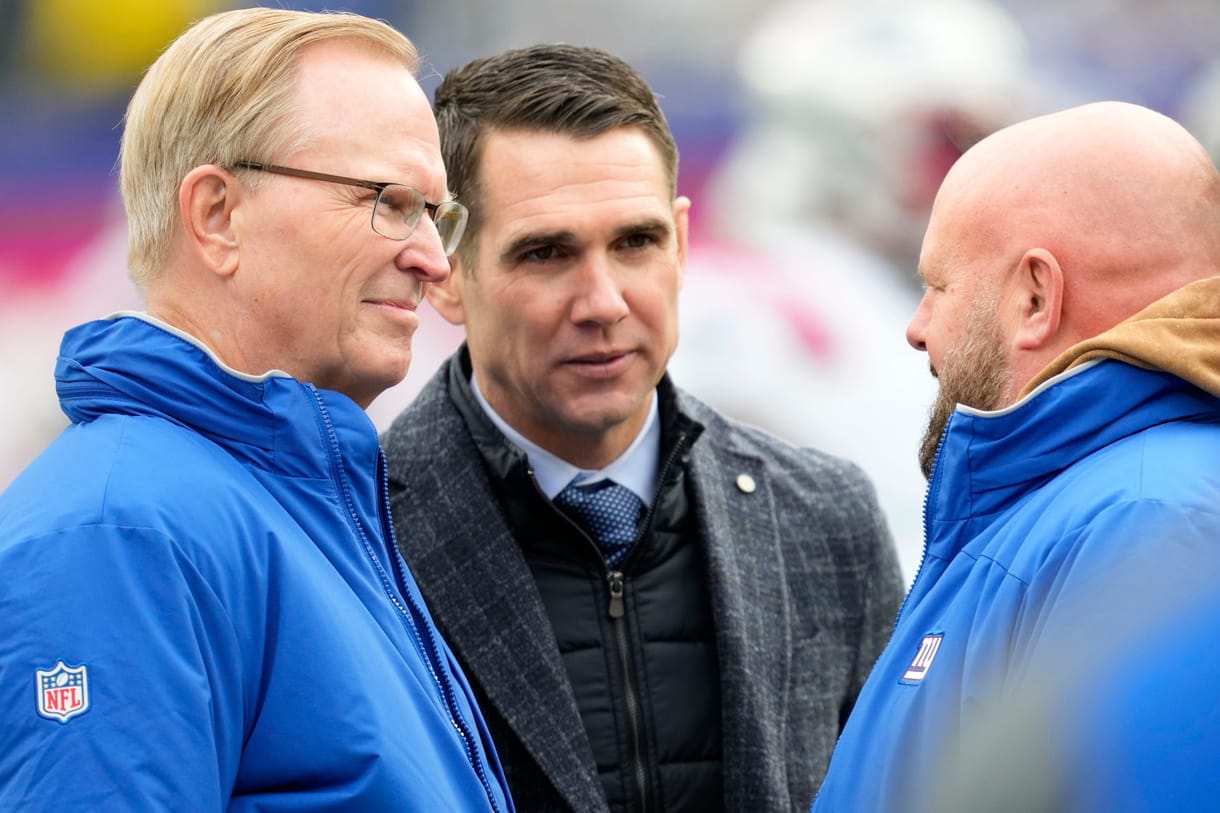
x: 861, y: 106
x: 1200, y: 109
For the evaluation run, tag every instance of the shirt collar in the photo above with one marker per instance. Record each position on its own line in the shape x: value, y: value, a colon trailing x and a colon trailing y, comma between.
x: 635, y: 468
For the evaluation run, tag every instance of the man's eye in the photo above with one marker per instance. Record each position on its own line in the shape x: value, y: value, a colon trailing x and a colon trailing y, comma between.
x: 399, y: 200
x: 641, y: 240
x: 541, y: 254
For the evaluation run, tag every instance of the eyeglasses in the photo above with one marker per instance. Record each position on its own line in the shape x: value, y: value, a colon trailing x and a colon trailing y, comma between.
x: 397, y: 209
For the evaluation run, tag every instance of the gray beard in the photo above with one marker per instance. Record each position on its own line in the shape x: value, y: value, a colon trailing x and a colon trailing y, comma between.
x: 975, y: 374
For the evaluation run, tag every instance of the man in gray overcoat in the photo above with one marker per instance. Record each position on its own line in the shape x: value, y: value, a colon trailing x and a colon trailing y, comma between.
x: 659, y: 608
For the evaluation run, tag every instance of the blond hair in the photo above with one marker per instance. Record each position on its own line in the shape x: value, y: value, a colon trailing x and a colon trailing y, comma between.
x: 222, y: 92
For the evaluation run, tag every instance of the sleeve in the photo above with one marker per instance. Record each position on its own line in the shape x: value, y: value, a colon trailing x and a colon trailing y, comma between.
x: 120, y: 676
x: 1099, y: 611
x: 1118, y: 573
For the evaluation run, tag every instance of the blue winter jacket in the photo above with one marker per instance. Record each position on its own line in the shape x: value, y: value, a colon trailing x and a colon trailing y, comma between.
x: 203, y: 607
x: 1029, y: 511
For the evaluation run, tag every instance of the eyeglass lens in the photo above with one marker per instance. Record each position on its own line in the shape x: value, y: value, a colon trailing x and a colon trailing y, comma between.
x: 400, y: 207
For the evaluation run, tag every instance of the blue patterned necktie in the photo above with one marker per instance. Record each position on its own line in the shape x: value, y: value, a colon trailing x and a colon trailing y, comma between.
x: 609, y: 512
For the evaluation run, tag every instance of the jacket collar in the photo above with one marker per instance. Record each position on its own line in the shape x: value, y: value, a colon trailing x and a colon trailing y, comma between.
x: 134, y: 364
x: 1160, y: 364
x: 636, y: 468
x: 504, y: 456
x: 989, y: 460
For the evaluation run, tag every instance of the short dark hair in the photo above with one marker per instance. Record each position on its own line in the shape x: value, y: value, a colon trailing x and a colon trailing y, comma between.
x: 572, y: 90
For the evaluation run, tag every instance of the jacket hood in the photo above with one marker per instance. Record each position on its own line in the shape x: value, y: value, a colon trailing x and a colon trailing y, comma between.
x: 1178, y: 334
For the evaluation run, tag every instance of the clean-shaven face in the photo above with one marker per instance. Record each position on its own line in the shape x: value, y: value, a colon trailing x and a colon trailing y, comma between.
x: 331, y: 301
x: 571, y: 308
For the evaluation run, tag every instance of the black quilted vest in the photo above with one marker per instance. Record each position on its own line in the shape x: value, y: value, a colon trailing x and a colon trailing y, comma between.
x: 638, y: 643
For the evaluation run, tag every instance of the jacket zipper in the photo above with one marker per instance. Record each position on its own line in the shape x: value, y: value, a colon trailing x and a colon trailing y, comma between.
x: 409, y: 613
x: 630, y: 694
x: 615, y: 577
x: 927, y: 501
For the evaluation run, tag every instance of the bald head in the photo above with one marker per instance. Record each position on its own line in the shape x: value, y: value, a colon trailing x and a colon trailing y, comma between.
x: 1070, y: 179
x: 1110, y: 206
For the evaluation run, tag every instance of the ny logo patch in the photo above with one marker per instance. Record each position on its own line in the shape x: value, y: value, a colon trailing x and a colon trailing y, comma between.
x: 63, y: 691
x: 919, y: 667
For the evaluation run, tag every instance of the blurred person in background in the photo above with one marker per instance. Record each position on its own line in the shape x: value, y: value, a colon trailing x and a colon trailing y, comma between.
x: 802, y: 277
x: 1146, y: 53
x: 211, y: 607
x: 659, y: 608
x: 1200, y: 108
x: 1072, y: 318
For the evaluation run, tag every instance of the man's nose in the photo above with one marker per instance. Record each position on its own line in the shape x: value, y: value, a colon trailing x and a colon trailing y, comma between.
x: 423, y: 254
x: 917, y: 327
x: 600, y: 298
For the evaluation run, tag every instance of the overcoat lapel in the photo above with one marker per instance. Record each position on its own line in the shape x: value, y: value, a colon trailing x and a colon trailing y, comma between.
x: 482, y: 596
x: 749, y: 601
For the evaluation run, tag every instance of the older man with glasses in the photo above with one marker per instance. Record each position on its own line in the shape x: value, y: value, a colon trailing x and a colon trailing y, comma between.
x: 204, y: 605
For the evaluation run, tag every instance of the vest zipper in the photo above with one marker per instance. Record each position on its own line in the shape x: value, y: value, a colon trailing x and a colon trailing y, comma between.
x: 618, y: 587
x: 616, y: 594
x: 630, y: 694
x: 617, y: 583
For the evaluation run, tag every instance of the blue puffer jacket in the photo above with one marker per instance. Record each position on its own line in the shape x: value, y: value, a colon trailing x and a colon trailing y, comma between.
x: 1030, y: 510
x: 203, y: 607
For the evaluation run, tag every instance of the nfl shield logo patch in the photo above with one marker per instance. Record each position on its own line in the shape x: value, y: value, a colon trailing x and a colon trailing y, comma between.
x: 63, y: 691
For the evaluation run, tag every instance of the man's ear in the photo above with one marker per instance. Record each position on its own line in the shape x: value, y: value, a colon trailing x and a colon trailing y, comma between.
x: 207, y: 198
x: 682, y: 226
x: 1039, y: 299
x: 446, y: 297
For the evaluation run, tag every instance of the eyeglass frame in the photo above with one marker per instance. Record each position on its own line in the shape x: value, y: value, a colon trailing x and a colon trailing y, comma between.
x: 377, y: 186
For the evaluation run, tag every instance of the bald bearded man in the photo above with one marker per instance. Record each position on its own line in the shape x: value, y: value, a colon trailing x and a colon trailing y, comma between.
x: 1072, y: 318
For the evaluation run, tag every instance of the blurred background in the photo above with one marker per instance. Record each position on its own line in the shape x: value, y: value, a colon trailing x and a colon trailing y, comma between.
x: 813, y: 136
